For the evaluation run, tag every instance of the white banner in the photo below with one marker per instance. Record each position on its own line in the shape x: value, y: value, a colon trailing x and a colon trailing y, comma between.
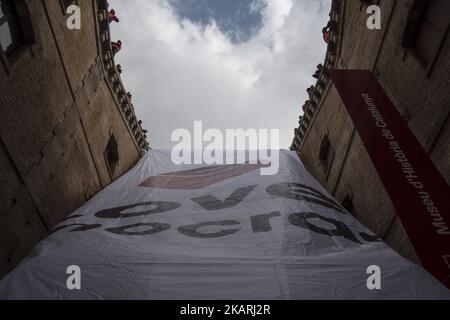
x: 165, y: 231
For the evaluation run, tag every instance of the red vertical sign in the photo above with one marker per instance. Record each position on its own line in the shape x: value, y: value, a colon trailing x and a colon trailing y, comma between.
x: 420, y: 194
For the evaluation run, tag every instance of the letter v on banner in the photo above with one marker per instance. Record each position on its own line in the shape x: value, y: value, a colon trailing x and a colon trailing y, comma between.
x: 420, y: 194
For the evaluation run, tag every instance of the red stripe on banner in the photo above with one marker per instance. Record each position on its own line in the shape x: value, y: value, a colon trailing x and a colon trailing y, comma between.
x: 420, y: 194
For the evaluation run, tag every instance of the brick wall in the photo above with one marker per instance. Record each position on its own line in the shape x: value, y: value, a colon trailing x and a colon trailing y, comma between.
x: 421, y: 95
x: 58, y: 111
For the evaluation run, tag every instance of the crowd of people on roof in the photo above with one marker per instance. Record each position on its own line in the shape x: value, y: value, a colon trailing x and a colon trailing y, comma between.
x: 112, y: 16
x: 116, y: 46
x: 311, y: 91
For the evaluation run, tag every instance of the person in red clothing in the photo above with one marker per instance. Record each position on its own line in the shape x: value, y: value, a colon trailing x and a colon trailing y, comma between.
x: 318, y: 71
x: 326, y: 34
x: 112, y: 16
x: 116, y: 46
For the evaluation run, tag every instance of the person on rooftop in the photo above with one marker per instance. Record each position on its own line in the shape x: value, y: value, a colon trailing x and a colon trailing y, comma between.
x: 116, y: 46
x: 326, y: 32
x: 310, y: 91
x: 112, y: 16
x: 318, y: 71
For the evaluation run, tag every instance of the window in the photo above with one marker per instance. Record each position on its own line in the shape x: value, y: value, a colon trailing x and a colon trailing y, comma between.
x: 10, y: 29
x: 112, y: 154
x: 426, y: 29
x: 326, y: 155
x: 347, y: 203
x: 66, y: 3
x: 366, y: 3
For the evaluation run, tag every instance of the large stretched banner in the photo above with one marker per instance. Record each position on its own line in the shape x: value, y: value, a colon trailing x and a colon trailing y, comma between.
x: 419, y: 193
x: 165, y: 231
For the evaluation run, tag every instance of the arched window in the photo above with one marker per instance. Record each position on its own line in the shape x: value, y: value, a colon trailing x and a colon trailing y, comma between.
x: 10, y: 28
x: 112, y: 154
x: 326, y: 155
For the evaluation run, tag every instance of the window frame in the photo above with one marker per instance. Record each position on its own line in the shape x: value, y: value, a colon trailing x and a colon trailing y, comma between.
x: 65, y: 4
x: 411, y: 33
x: 12, y: 19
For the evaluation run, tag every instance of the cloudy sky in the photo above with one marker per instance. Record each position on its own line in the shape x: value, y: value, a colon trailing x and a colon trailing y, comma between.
x: 230, y: 63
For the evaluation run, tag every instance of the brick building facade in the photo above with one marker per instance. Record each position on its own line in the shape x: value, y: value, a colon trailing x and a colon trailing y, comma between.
x: 67, y: 128
x: 410, y: 57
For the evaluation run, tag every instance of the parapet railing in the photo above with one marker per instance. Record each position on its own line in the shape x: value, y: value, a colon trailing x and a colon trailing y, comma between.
x: 320, y: 87
x: 114, y: 78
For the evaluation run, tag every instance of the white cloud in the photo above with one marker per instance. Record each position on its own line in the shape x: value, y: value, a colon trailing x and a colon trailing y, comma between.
x: 257, y: 5
x: 179, y: 72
